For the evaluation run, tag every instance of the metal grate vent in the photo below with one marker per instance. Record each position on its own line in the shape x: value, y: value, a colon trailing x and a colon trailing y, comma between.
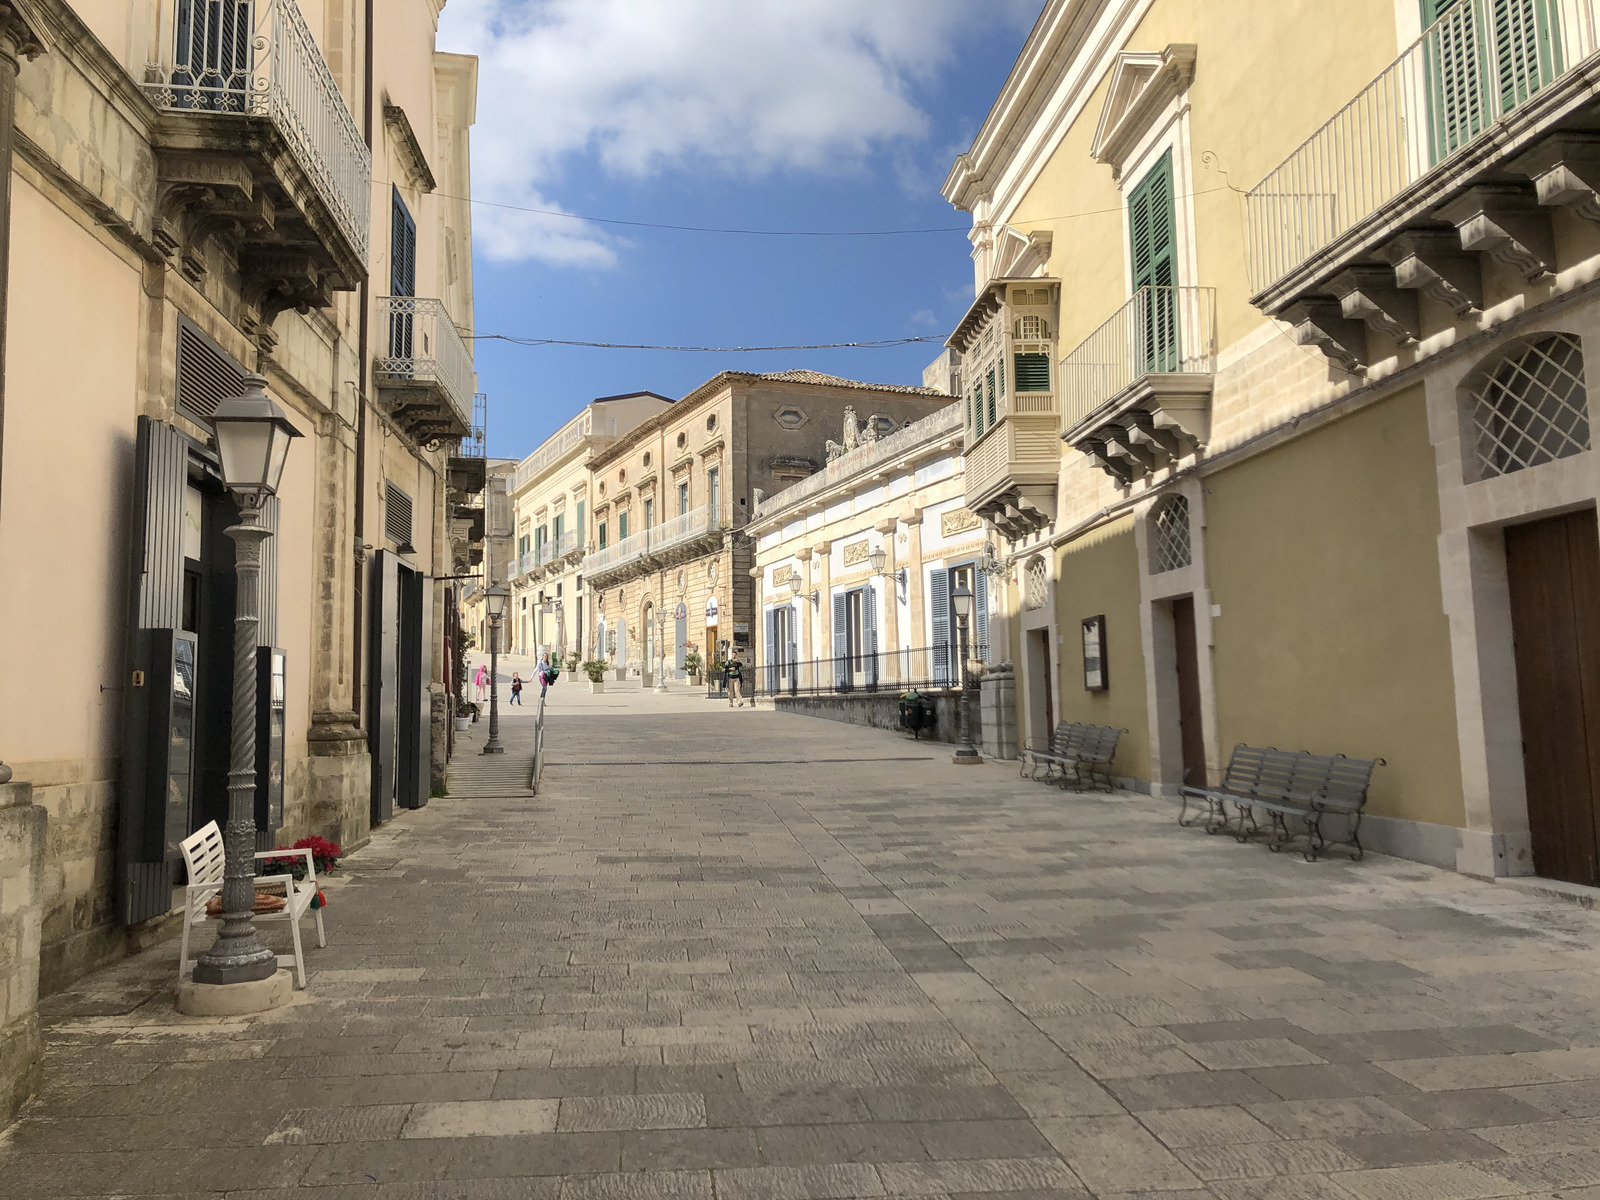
x: 1533, y: 409
x: 1037, y: 580
x: 1170, y: 545
x: 206, y: 374
x: 396, y: 516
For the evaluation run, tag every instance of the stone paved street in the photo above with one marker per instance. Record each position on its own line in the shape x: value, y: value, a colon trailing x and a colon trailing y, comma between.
x: 752, y: 956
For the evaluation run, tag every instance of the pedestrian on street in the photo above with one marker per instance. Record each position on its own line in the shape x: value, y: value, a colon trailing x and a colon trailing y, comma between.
x: 516, y: 689
x: 733, y: 679
x: 480, y: 682
x: 547, y: 673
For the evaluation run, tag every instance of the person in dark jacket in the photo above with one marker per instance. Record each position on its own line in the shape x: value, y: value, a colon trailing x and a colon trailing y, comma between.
x: 733, y: 679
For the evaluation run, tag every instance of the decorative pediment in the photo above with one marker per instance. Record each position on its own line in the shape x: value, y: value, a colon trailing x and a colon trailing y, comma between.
x: 1018, y: 255
x: 1142, y: 84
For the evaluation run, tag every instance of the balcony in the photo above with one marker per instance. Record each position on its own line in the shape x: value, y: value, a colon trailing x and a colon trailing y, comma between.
x: 1459, y: 149
x: 675, y: 540
x: 425, y: 378
x: 257, y: 148
x: 1138, y: 389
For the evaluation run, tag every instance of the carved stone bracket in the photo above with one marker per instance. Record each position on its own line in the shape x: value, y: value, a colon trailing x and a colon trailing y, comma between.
x: 21, y: 32
x: 275, y: 281
x: 1432, y: 262
x: 1369, y: 294
x: 1505, y: 222
x: 1322, y: 323
x: 1565, y: 170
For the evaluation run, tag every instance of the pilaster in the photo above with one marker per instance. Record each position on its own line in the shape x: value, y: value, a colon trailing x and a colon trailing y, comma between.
x: 891, y: 600
x: 915, y: 607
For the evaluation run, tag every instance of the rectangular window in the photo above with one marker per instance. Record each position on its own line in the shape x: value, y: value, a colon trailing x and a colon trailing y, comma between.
x: 649, y: 513
x: 402, y: 250
x: 1033, y: 373
x: 602, y: 535
x: 683, y: 498
x: 714, y: 489
x: 991, y: 398
x: 1002, y: 367
x: 396, y: 516
x: 1152, y: 229
x: 580, y: 527
x: 622, y: 526
x: 555, y: 529
x: 522, y: 544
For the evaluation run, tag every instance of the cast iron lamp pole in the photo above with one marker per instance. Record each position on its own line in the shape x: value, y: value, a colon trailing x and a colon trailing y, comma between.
x: 966, y: 754
x: 253, y: 439
x: 494, y: 599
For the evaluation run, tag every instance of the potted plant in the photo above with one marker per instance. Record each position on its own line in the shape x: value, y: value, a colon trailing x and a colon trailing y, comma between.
x: 691, y: 666
x: 324, y: 854
x: 596, y: 671
x: 465, y: 716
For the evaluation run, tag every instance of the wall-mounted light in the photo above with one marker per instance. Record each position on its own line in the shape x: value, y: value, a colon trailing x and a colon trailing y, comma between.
x: 878, y: 559
x: 795, y: 582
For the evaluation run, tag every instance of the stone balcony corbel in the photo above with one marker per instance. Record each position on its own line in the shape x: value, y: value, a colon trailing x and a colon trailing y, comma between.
x: 1565, y: 170
x: 1432, y: 262
x: 1321, y: 322
x: 1369, y: 293
x: 1506, y: 222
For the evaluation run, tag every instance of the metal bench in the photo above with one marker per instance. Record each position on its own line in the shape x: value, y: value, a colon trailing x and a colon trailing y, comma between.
x: 1288, y: 786
x: 1076, y: 752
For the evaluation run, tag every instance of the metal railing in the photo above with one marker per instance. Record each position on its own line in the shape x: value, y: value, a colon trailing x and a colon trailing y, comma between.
x: 538, y: 748
x: 556, y: 548
x: 682, y: 528
x: 259, y: 59
x: 425, y: 345
x: 1162, y: 330
x: 923, y: 668
x: 1443, y: 94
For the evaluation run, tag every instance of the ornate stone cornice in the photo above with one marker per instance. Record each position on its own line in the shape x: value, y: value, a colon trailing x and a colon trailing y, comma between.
x: 21, y: 31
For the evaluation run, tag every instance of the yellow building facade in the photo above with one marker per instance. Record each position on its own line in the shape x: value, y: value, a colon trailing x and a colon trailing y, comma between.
x: 1275, y: 364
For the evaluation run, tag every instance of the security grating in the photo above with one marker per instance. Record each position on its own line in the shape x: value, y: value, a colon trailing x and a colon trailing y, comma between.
x: 1533, y: 409
x: 1037, y: 581
x: 396, y: 516
x: 1170, y: 547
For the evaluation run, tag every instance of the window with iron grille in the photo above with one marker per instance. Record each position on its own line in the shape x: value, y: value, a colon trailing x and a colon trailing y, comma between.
x: 1533, y: 408
x: 1037, y: 579
x: 1170, y: 545
x: 207, y: 375
x: 396, y: 515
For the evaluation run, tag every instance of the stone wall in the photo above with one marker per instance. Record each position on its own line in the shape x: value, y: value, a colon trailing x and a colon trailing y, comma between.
x: 22, y: 857
x: 881, y: 710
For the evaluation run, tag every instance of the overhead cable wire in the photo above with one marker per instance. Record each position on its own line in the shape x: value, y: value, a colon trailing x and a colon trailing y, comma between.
x: 876, y: 344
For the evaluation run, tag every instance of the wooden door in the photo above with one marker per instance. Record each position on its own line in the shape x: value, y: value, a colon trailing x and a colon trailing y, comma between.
x: 1554, y: 572
x: 1190, y: 732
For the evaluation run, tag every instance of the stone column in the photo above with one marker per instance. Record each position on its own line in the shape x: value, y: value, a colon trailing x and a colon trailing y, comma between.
x: 891, y: 601
x: 916, y: 614
x: 824, y: 552
x: 22, y: 842
x: 808, y: 645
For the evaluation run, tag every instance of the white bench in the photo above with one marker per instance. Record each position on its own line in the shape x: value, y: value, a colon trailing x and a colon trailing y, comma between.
x: 204, y: 855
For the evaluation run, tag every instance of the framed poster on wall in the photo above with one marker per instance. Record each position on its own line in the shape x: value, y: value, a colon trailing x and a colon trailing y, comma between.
x: 1095, y: 676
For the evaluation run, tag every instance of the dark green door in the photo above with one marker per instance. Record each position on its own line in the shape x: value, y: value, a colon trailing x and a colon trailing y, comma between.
x: 1153, y: 228
x: 1482, y: 58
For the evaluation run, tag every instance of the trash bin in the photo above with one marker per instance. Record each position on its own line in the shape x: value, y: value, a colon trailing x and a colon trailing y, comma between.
x: 916, y: 714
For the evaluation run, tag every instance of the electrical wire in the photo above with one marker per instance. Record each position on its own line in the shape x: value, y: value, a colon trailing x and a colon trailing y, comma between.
x: 877, y: 344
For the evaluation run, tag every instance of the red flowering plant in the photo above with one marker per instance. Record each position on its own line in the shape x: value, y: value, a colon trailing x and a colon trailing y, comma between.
x: 324, y: 853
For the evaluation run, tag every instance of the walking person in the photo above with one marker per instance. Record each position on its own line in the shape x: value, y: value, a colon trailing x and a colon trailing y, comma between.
x: 516, y: 689
x: 480, y: 682
x: 733, y: 679
x: 547, y: 673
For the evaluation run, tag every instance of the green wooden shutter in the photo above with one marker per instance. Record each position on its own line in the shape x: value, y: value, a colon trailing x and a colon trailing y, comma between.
x: 1455, y: 61
x: 1153, y: 232
x: 991, y: 398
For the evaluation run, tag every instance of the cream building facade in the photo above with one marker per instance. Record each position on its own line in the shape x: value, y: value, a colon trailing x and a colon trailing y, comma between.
x: 550, y: 495
x: 198, y: 192
x: 1276, y: 364
x: 669, y: 572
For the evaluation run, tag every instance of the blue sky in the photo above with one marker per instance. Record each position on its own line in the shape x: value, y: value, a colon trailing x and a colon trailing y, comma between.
x: 810, y: 114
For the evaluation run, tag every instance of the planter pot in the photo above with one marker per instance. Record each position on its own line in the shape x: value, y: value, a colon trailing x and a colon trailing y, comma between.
x: 596, y: 686
x: 694, y: 679
x: 646, y: 679
x: 621, y: 674
x: 463, y: 724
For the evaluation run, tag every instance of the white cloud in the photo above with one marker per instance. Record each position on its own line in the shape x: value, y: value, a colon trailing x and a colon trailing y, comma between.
x: 645, y: 86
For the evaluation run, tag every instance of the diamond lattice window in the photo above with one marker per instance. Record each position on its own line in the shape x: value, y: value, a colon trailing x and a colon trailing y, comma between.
x: 1038, y: 585
x: 1533, y: 409
x: 1170, y: 545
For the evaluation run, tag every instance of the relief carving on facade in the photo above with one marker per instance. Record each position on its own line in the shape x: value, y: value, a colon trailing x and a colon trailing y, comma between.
x: 857, y: 552
x: 958, y: 520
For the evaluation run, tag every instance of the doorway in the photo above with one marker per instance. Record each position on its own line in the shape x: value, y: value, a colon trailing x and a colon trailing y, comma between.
x: 1186, y: 657
x: 1041, y: 690
x: 1553, y: 568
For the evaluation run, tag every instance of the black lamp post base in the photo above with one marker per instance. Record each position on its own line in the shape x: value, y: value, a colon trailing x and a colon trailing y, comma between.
x: 492, y: 750
x: 221, y: 964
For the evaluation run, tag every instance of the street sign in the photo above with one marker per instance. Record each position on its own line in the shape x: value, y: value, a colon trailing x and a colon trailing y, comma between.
x: 711, y: 610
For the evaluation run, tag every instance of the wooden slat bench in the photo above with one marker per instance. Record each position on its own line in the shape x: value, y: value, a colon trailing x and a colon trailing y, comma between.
x: 1077, y: 753
x: 1287, y: 785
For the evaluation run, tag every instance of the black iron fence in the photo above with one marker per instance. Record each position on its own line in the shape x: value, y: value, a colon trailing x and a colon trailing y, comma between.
x: 924, y: 668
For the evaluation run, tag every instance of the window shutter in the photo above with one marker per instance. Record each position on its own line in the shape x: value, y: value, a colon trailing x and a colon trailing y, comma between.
x: 980, y: 614
x: 403, y: 251
x: 206, y: 374
x: 791, y: 623
x: 939, y: 601
x: 869, y: 629
x: 581, y: 529
x: 841, y: 641
x: 991, y: 398
x: 1152, y: 225
x: 771, y: 647
x: 1001, y: 365
x: 267, y: 630
x: 1033, y: 373
x: 1455, y: 61
x: 396, y: 515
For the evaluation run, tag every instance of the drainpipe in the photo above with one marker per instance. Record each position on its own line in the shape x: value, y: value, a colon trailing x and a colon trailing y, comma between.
x: 17, y: 42
x: 362, y: 335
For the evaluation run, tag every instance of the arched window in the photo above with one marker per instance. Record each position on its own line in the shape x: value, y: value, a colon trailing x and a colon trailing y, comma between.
x: 1532, y: 408
x: 1170, y: 544
x: 1031, y: 329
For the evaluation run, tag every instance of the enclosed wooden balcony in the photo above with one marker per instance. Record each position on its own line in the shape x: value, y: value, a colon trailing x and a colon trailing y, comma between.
x: 1460, y: 149
x: 1138, y: 388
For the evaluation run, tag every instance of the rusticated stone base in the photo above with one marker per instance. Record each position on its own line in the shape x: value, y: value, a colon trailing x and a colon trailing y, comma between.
x: 22, y: 847
x: 340, y: 779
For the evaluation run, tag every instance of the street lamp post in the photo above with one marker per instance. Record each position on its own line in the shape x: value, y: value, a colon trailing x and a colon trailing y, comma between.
x: 966, y: 754
x: 494, y: 600
x: 253, y: 438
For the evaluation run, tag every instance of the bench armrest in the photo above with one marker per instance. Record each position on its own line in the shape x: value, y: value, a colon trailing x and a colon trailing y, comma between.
x: 304, y: 852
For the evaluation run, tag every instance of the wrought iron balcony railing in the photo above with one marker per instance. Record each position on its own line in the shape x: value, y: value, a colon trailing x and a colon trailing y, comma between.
x: 424, y: 346
x: 258, y: 58
x: 675, y: 531
x: 1442, y: 96
x: 1161, y: 331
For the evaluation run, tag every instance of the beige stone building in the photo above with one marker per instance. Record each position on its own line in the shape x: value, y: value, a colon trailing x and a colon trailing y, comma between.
x: 837, y: 620
x: 1276, y: 368
x: 550, y: 495
x: 669, y: 569
x: 198, y: 191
